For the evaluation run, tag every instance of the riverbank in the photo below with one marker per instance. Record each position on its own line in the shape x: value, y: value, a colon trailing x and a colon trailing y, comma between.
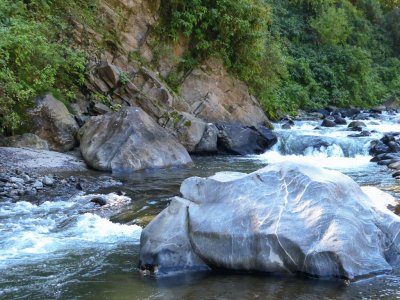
x: 41, y: 175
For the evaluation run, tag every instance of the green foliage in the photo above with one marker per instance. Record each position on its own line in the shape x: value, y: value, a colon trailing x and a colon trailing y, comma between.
x: 393, y: 26
x: 390, y: 4
x: 294, y: 53
x: 332, y: 25
x: 34, y: 56
x: 232, y: 30
x: 336, y: 53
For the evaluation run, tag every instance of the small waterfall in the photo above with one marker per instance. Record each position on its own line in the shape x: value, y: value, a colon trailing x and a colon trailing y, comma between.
x: 327, y: 147
x: 293, y: 142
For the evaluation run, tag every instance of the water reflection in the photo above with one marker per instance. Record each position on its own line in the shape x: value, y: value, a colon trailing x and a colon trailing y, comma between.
x: 235, y: 286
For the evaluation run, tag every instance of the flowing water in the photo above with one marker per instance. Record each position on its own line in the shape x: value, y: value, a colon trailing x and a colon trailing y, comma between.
x: 68, y: 249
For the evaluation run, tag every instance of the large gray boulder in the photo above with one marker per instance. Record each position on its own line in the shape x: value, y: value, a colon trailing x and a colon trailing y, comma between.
x: 284, y: 218
x: 52, y: 122
x: 188, y: 129
x: 209, y: 140
x: 236, y: 139
x: 128, y: 141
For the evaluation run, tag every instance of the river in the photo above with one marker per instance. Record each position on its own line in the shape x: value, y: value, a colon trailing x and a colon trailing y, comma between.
x: 64, y: 249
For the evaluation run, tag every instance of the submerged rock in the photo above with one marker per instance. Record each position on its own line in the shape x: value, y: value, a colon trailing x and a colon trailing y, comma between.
x: 328, y: 123
x: 285, y: 218
x: 129, y: 140
x: 356, y: 124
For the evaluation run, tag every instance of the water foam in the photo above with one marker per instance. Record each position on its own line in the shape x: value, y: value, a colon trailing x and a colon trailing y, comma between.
x: 318, y: 159
x: 38, y: 232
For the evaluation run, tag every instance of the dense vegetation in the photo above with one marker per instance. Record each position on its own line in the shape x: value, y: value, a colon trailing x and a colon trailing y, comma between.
x: 292, y: 53
x: 35, y: 56
x: 296, y: 53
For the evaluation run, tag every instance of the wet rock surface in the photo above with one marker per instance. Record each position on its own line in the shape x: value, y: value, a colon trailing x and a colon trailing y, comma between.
x: 386, y: 151
x: 241, y: 140
x: 251, y: 222
x: 18, y: 185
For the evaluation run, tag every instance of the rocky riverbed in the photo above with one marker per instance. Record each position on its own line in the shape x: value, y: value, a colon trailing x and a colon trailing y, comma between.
x: 67, y: 240
x: 41, y: 175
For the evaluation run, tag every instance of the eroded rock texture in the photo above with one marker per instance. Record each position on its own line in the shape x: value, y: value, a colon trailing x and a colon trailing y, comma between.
x: 128, y: 141
x: 284, y: 218
x: 52, y: 122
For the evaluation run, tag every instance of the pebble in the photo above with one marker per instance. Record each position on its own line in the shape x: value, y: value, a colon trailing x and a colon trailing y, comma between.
x: 48, y: 181
x: 16, y: 179
x: 394, y: 165
x: 26, y: 177
x: 31, y: 192
x: 37, y: 184
x: 356, y: 124
x: 17, y: 184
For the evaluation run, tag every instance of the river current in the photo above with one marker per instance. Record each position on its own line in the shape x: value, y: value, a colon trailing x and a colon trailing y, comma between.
x: 64, y: 249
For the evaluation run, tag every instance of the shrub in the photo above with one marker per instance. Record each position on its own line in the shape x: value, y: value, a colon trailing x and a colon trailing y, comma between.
x: 34, y: 58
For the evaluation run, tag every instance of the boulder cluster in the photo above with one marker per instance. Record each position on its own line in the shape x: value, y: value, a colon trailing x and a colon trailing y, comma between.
x: 333, y: 116
x: 131, y: 139
x: 17, y: 183
x: 386, y: 151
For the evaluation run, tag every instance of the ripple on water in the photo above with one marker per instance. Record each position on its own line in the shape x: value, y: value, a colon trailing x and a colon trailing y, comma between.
x: 46, y: 245
x: 60, y: 250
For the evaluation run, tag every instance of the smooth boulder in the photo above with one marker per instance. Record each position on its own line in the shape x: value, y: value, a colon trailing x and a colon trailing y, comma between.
x: 129, y: 140
x: 52, y: 122
x: 236, y: 139
x: 208, y: 142
x: 284, y: 218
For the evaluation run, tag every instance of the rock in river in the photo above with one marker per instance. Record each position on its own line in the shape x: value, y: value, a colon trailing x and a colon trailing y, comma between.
x: 284, y: 218
x: 129, y: 140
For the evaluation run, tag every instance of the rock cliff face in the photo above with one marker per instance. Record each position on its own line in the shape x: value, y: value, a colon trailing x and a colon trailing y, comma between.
x: 216, y: 96
x: 207, y: 92
x: 285, y: 218
x: 125, y: 70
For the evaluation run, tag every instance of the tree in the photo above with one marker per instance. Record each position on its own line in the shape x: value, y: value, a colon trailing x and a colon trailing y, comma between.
x: 332, y: 26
